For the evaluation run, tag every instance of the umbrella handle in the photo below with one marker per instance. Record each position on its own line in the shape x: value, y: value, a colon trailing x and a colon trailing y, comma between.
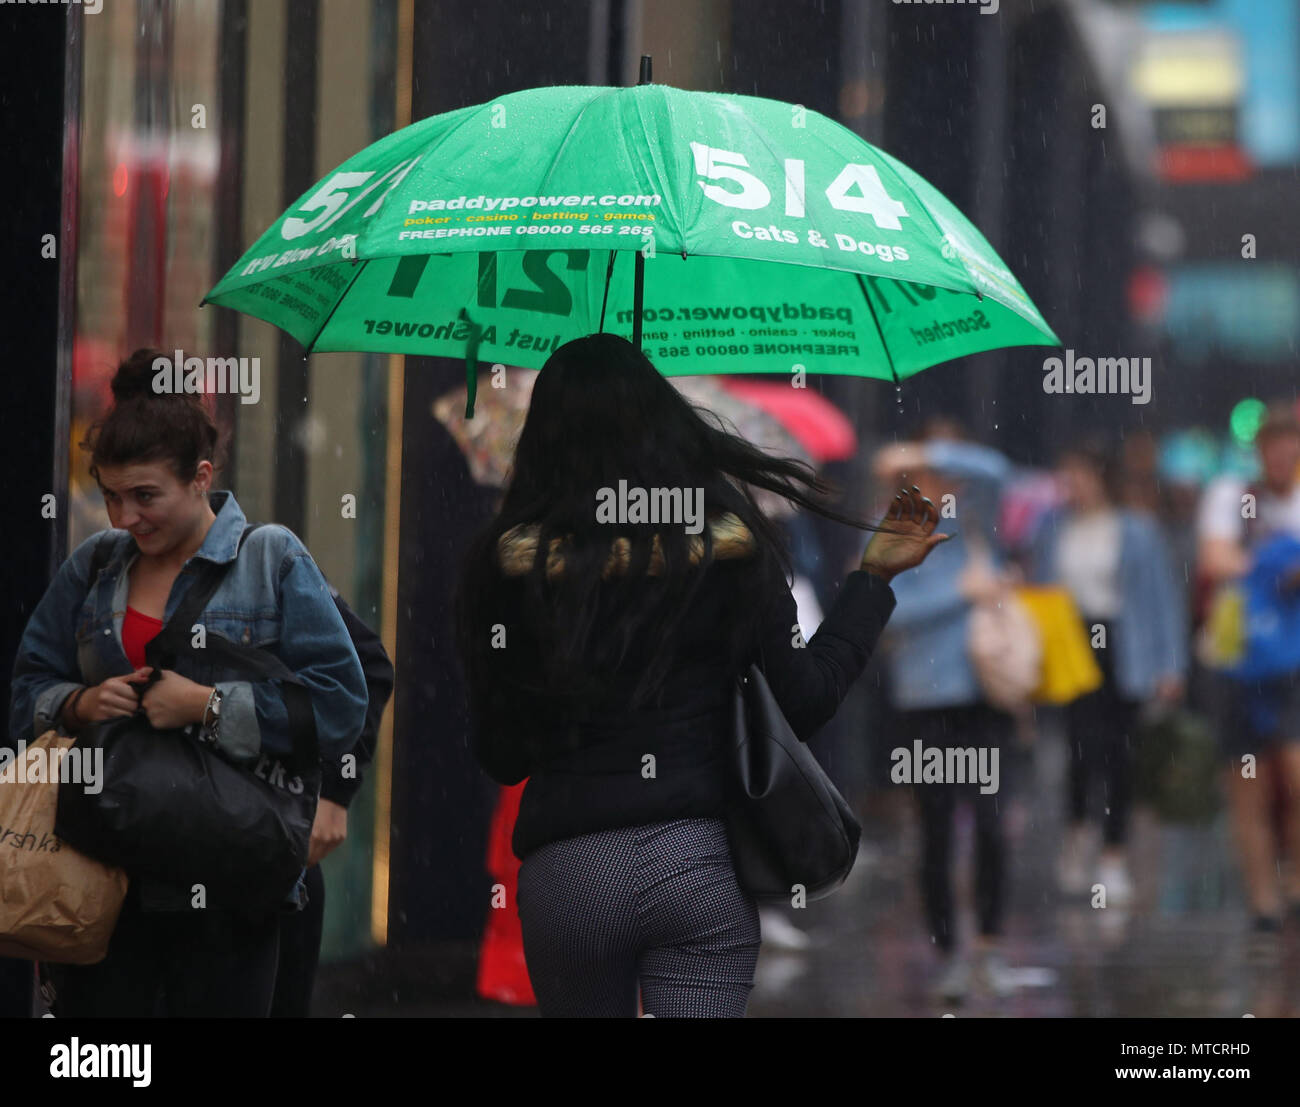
x: 638, y: 298
x: 471, y: 364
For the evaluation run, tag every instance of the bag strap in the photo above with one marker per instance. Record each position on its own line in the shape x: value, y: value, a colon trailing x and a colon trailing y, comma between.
x: 754, y: 657
x: 99, y: 558
x: 174, y: 638
x: 167, y: 642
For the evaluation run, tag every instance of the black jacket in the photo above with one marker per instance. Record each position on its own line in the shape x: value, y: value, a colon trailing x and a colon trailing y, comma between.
x: 602, y: 777
x: 341, y: 779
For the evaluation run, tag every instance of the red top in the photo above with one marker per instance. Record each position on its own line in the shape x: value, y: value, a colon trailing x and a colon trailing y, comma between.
x: 137, y: 630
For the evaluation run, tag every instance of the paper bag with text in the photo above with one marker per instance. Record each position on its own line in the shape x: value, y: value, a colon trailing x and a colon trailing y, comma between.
x: 56, y: 904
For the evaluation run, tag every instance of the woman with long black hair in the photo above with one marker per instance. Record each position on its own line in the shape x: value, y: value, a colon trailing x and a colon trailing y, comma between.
x: 601, y: 642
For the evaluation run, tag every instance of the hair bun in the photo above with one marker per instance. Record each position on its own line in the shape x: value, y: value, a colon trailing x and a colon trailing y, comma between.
x: 135, y: 375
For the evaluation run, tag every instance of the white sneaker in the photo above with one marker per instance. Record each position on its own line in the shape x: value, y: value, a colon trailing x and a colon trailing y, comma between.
x: 1073, y: 865
x: 1113, y: 876
x: 954, y: 981
x: 779, y: 933
x: 993, y: 973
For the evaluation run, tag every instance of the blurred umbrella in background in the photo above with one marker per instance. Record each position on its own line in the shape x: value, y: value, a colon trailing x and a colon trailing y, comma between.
x: 818, y: 425
x: 489, y: 442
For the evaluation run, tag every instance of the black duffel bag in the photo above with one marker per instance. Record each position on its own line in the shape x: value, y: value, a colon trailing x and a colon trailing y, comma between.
x: 174, y: 809
x: 787, y: 824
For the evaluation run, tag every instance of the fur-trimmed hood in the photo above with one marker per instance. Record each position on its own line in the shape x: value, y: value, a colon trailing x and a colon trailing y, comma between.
x: 517, y: 548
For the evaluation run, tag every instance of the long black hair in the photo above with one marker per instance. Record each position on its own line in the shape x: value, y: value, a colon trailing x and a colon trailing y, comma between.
x: 601, y: 413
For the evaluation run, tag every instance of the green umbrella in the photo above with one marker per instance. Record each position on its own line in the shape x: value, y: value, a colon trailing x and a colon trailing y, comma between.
x: 772, y: 239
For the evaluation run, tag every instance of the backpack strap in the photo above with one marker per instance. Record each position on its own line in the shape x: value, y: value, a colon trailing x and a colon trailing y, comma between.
x: 99, y: 558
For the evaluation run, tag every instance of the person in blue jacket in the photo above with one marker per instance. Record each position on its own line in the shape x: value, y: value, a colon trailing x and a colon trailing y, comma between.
x: 81, y: 658
x: 1116, y: 565
x: 939, y: 700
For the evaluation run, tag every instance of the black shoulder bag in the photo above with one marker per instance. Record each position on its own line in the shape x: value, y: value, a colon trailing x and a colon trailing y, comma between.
x: 787, y: 824
x: 176, y: 810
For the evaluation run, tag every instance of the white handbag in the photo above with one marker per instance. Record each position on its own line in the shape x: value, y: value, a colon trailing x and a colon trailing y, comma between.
x: 1003, y: 645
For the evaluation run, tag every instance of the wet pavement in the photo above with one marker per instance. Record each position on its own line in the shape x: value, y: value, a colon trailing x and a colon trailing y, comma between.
x: 1181, y: 949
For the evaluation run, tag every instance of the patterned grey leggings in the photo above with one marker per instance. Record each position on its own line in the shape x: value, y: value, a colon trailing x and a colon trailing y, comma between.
x: 656, y: 905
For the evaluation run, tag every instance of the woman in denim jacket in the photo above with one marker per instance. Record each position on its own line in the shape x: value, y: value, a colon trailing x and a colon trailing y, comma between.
x: 1114, y: 561
x: 82, y: 654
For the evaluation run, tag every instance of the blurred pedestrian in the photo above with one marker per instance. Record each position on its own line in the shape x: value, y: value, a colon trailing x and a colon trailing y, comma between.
x: 939, y: 698
x: 341, y: 780
x: 1115, y: 564
x: 608, y: 681
x: 1239, y: 518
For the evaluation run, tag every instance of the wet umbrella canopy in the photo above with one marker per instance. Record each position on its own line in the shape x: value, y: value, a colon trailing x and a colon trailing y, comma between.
x: 771, y: 238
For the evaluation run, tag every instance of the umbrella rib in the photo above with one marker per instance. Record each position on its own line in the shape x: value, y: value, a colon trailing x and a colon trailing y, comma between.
x: 883, y: 344
x: 359, y: 266
x: 609, y: 273
x: 970, y: 273
x: 555, y: 158
x: 893, y: 164
x: 649, y: 150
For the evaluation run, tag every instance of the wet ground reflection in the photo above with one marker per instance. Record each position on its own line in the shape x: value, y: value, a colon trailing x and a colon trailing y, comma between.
x: 1182, y: 949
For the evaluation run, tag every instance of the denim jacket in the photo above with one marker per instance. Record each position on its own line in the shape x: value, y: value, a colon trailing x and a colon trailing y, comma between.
x: 1151, y: 630
x: 927, y: 638
x: 274, y: 598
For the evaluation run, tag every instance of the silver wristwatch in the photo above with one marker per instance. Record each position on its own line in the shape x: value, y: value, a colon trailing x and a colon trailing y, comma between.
x: 208, y: 731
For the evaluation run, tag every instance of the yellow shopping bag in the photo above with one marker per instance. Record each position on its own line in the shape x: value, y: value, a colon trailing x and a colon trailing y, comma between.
x: 1068, y: 667
x: 1222, y: 638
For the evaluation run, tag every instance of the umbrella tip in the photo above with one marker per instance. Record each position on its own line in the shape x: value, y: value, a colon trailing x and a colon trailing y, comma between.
x: 645, y: 70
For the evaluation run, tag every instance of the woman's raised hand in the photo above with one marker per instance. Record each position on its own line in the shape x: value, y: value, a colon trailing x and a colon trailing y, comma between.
x: 909, y: 537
